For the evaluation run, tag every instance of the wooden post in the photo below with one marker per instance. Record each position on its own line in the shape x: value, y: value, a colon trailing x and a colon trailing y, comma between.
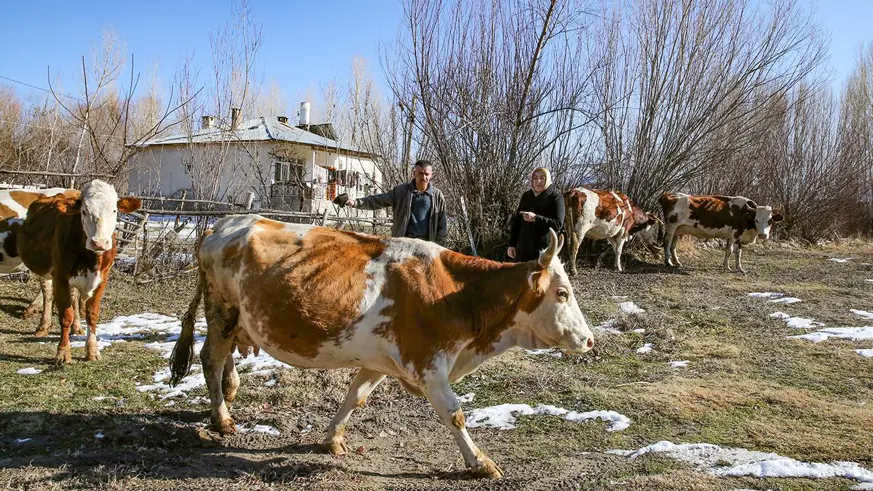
x: 467, y: 224
x: 324, y: 218
x: 250, y: 199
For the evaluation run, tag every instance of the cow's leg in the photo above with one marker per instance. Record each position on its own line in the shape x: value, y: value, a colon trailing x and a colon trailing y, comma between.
x: 222, y: 325
x: 673, y: 245
x: 35, y: 303
x: 92, y: 314
x: 77, y: 302
x: 448, y: 408
x: 230, y: 380
x: 45, y: 321
x: 668, y: 243
x: 365, y: 382
x: 576, y: 238
x: 739, y: 254
x: 617, y: 243
x: 65, y: 314
x: 727, y: 254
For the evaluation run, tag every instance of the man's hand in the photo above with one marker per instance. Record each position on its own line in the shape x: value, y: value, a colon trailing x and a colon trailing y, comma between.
x: 511, y: 252
x: 343, y: 200
x: 528, y: 216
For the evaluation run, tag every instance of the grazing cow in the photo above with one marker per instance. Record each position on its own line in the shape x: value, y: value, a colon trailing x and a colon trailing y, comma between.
x: 735, y: 218
x: 317, y: 297
x: 13, y: 208
x: 606, y: 215
x: 70, y: 238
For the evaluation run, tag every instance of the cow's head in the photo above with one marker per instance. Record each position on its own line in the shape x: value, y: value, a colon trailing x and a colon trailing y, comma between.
x: 764, y: 218
x: 99, y: 206
x: 650, y: 232
x: 553, y: 318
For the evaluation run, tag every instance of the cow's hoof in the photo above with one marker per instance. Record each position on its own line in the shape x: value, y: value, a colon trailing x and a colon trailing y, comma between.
x: 487, y: 468
x: 28, y: 312
x: 78, y: 331
x: 93, y: 356
x: 225, y: 427
x: 336, y: 446
x: 41, y: 333
x: 62, y: 358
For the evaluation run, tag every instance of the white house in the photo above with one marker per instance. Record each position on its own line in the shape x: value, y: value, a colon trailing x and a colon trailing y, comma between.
x: 286, y: 167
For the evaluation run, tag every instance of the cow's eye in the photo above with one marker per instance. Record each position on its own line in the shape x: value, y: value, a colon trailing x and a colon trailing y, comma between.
x: 563, y: 294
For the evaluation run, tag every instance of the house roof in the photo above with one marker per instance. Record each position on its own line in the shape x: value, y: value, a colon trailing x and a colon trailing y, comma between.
x: 265, y: 128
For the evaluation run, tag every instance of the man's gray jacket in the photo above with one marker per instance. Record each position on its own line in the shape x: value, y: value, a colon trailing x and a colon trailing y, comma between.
x: 400, y: 200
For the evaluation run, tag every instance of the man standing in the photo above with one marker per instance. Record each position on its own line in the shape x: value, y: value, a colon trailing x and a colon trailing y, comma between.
x: 419, y: 207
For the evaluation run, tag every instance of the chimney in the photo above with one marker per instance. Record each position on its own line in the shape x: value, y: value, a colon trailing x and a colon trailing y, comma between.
x: 234, y: 117
x: 304, y: 114
x: 207, y: 123
x: 283, y: 119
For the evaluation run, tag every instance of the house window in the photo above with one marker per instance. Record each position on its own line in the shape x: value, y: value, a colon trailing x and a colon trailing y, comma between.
x: 291, y: 171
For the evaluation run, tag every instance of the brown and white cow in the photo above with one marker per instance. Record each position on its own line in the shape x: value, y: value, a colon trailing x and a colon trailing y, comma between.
x: 317, y: 297
x: 606, y: 215
x: 13, y: 209
x: 70, y: 238
x: 735, y: 218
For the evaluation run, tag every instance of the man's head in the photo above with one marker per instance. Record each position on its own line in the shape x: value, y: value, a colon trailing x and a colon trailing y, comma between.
x: 423, y: 173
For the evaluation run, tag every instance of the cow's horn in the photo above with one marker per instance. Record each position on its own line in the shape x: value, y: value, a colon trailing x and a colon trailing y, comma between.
x: 555, y: 245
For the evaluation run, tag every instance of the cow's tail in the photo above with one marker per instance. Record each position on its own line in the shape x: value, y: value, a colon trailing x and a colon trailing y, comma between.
x: 569, y: 222
x: 183, y: 351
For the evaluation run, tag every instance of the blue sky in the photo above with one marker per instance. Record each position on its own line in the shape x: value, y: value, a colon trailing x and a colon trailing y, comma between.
x: 306, y: 44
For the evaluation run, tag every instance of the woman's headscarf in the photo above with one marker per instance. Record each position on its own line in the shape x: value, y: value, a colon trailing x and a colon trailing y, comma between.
x: 544, y: 171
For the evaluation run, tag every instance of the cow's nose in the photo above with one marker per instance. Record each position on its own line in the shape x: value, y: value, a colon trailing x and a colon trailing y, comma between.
x: 590, y: 343
x: 99, y: 245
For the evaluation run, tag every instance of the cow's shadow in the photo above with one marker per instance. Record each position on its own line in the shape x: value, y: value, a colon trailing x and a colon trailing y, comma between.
x: 13, y: 306
x: 160, y: 445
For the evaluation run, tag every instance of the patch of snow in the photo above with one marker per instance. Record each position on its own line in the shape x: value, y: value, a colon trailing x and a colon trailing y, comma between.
x: 862, y: 313
x: 866, y: 353
x: 103, y: 398
x: 640, y: 331
x: 23, y: 440
x: 786, y: 300
x: 852, y: 333
x: 261, y: 429
x: 270, y: 383
x: 630, y: 308
x: 744, y: 462
x: 99, y: 435
x: 645, y: 348
x: 797, y: 322
x: 29, y: 371
x: 606, y: 327
x: 503, y: 416
x: 467, y: 397
x: 547, y: 351
x: 679, y: 364
x: 869, y: 280
x: 863, y: 487
x: 767, y: 295
x: 841, y: 260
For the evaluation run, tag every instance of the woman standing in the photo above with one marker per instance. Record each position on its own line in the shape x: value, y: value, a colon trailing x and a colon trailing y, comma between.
x: 540, y: 208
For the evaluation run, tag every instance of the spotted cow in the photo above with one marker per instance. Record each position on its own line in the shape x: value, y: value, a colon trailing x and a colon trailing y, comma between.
x: 606, y: 215
x: 735, y: 218
x: 13, y: 209
x: 70, y: 238
x: 317, y: 297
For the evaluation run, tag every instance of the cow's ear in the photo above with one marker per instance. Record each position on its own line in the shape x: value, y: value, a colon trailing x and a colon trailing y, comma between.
x: 777, y: 217
x: 69, y: 206
x: 129, y: 205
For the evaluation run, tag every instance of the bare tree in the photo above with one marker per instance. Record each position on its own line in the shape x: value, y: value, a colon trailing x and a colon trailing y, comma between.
x: 494, y: 89
x: 680, y: 76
